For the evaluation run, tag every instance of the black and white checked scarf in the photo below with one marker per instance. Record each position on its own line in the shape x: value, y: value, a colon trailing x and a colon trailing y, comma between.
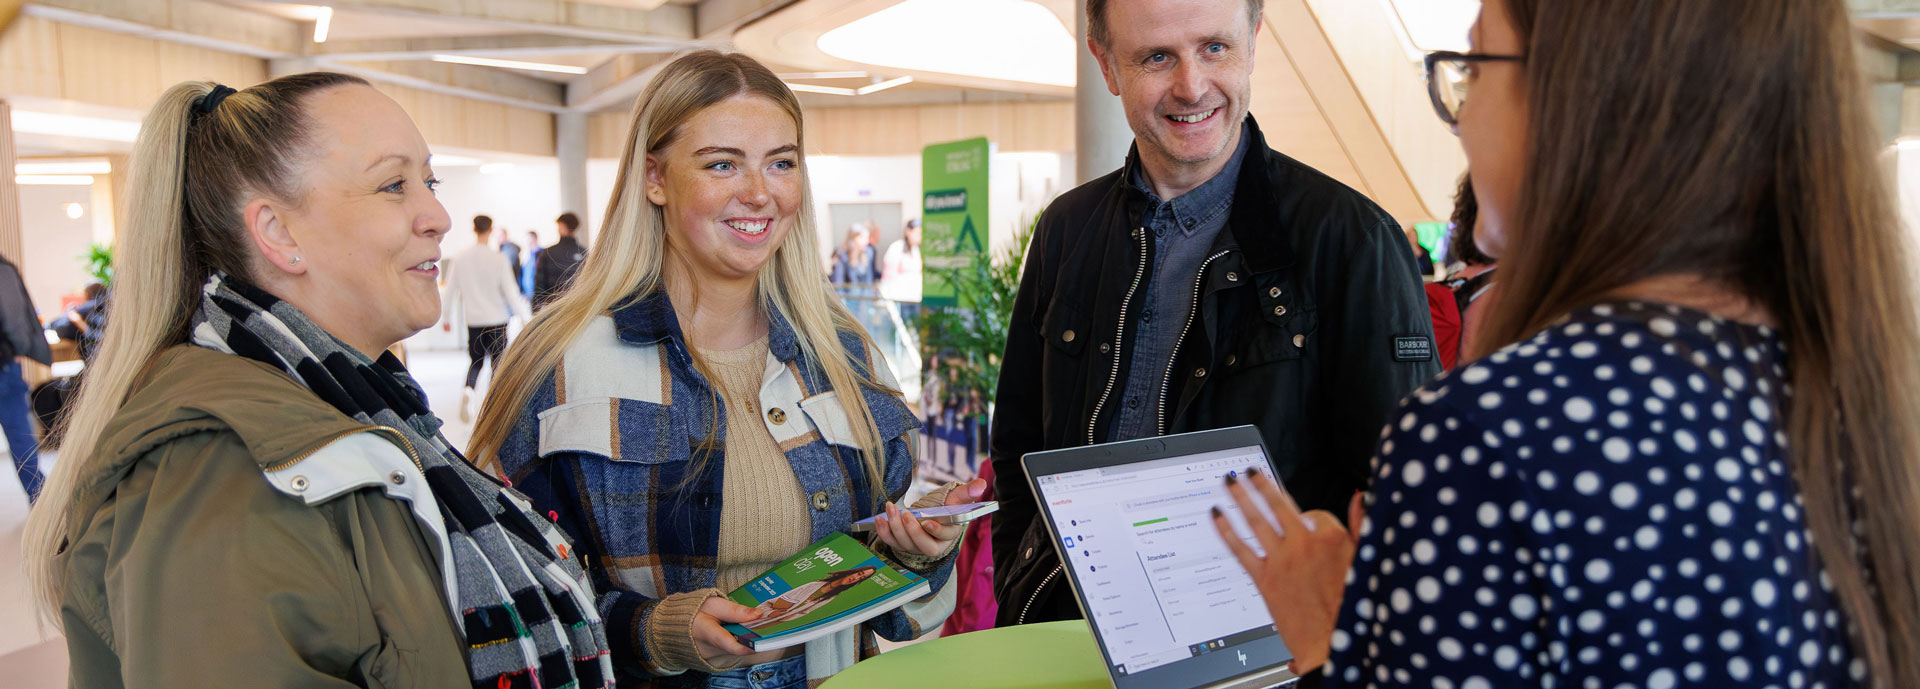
x: 526, y: 611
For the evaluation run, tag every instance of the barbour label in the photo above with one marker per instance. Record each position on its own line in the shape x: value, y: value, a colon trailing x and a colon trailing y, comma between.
x: 1413, y: 348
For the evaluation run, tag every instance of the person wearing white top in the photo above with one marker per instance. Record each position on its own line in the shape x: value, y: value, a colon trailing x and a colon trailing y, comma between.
x: 481, y: 288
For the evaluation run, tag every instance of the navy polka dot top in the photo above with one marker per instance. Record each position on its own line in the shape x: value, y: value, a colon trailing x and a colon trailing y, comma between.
x: 1605, y: 505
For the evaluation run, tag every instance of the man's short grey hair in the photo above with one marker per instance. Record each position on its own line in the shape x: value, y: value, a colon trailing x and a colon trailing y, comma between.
x: 1097, y: 18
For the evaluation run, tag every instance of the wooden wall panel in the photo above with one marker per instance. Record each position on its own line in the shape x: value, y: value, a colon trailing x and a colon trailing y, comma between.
x: 607, y: 134
x: 27, y: 58
x: 905, y: 130
x: 179, y: 63
x: 447, y: 120
x: 109, y: 69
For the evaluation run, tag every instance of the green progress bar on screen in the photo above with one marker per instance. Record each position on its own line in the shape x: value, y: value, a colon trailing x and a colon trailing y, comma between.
x: 1150, y: 521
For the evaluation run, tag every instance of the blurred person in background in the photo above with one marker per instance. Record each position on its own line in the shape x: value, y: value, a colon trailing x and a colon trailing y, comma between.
x: 900, y: 279
x: 510, y: 250
x: 530, y: 262
x: 559, y: 262
x: 482, y: 291
x: 1470, y: 277
x: 22, y: 340
x: 1685, y: 454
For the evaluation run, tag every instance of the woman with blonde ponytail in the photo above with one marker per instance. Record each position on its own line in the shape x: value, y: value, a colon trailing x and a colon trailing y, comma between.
x: 252, y: 492
x: 697, y: 406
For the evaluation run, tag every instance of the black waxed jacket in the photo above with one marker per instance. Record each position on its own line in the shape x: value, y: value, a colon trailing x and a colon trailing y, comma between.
x: 1310, y: 323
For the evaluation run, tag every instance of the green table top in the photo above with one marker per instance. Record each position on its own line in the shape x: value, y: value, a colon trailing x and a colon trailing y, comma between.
x: 1055, y: 655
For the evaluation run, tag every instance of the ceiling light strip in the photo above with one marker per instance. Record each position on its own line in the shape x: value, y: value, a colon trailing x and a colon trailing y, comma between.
x: 322, y: 21
x: 54, y: 180
x: 882, y: 86
x: 509, y: 64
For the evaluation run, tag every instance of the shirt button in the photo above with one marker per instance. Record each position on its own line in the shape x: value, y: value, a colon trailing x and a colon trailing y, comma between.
x: 1147, y: 316
x: 1133, y: 403
x: 1199, y: 373
x: 820, y: 501
x: 1066, y: 336
x: 1105, y: 348
x: 1299, y: 340
x: 1279, y: 310
x: 777, y: 415
x: 1273, y: 292
x: 1189, y: 223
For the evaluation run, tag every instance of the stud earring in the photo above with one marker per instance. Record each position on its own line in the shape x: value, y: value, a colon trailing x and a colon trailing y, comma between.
x: 294, y: 261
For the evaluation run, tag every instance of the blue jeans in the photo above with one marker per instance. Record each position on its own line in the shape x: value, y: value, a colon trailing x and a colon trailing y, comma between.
x: 790, y: 673
x: 16, y: 419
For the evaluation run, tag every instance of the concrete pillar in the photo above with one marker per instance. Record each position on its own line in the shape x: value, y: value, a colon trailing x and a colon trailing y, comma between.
x: 570, y: 146
x: 10, y: 241
x: 1100, y: 132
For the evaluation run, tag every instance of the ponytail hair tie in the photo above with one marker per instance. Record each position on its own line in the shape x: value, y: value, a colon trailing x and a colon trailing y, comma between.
x: 212, y: 100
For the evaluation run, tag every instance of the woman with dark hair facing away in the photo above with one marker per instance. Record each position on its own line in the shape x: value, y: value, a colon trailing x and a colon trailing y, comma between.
x: 698, y: 406
x: 252, y: 492
x: 1689, y: 457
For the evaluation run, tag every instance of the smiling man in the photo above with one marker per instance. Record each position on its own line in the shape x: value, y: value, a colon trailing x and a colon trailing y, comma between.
x: 1211, y: 282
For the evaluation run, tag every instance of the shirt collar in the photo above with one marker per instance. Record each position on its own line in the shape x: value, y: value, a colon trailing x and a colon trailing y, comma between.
x: 649, y: 319
x: 1204, y: 203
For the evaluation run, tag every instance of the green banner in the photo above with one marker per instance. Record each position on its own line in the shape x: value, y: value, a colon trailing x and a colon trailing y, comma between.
x: 953, y: 211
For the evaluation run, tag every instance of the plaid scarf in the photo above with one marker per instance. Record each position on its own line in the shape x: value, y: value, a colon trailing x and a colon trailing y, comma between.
x: 528, y: 616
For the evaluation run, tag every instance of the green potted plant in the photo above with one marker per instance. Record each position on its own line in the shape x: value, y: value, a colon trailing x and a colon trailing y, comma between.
x: 99, y: 260
x: 963, y: 342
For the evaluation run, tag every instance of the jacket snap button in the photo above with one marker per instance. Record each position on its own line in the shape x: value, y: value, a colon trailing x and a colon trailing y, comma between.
x: 299, y: 484
x: 1066, y: 336
x: 398, y: 478
x: 1199, y: 373
x: 1279, y: 310
x: 777, y: 415
x: 820, y: 502
x: 1029, y: 554
x: 1105, y: 347
x: 1233, y: 277
x: 1231, y: 359
x: 1299, y: 340
x: 1273, y: 292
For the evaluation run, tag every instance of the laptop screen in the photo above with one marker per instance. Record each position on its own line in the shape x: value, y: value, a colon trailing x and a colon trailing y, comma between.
x: 1167, y: 600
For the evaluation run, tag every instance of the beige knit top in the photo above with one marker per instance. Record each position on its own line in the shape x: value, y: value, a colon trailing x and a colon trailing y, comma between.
x: 764, y: 519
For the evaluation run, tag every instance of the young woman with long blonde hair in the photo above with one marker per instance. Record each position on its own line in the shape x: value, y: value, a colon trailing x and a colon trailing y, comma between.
x: 697, y: 407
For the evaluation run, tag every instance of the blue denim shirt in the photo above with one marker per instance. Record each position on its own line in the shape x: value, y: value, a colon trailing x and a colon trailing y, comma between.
x: 605, y: 448
x: 1183, y: 231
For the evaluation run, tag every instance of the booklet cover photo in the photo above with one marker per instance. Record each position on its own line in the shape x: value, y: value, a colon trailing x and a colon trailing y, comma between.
x: 832, y: 584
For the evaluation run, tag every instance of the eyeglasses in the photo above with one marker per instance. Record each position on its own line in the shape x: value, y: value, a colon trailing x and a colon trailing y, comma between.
x: 1448, y: 76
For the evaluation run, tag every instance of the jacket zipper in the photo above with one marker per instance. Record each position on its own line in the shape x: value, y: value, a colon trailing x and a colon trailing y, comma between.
x: 382, y: 430
x: 1167, y: 381
x: 1120, y: 336
x: 1036, y: 593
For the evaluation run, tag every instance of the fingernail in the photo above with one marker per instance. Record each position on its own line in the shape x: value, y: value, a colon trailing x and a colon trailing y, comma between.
x: 1231, y: 480
x: 1253, y: 471
x: 1216, y: 512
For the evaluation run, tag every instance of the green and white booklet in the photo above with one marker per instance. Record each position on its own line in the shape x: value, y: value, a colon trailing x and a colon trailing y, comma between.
x: 828, y: 586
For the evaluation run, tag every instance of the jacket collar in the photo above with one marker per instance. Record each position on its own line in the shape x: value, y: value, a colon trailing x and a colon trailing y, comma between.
x: 1254, y: 225
x: 649, y: 319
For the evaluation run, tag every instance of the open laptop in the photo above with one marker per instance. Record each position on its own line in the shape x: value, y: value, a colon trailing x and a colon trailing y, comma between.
x: 1169, y: 605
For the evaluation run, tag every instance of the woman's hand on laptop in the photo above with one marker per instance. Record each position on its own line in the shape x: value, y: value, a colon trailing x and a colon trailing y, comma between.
x: 926, y: 537
x: 1303, y: 571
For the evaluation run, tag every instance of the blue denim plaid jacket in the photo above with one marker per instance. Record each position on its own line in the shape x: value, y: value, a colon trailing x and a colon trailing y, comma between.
x: 606, y: 442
